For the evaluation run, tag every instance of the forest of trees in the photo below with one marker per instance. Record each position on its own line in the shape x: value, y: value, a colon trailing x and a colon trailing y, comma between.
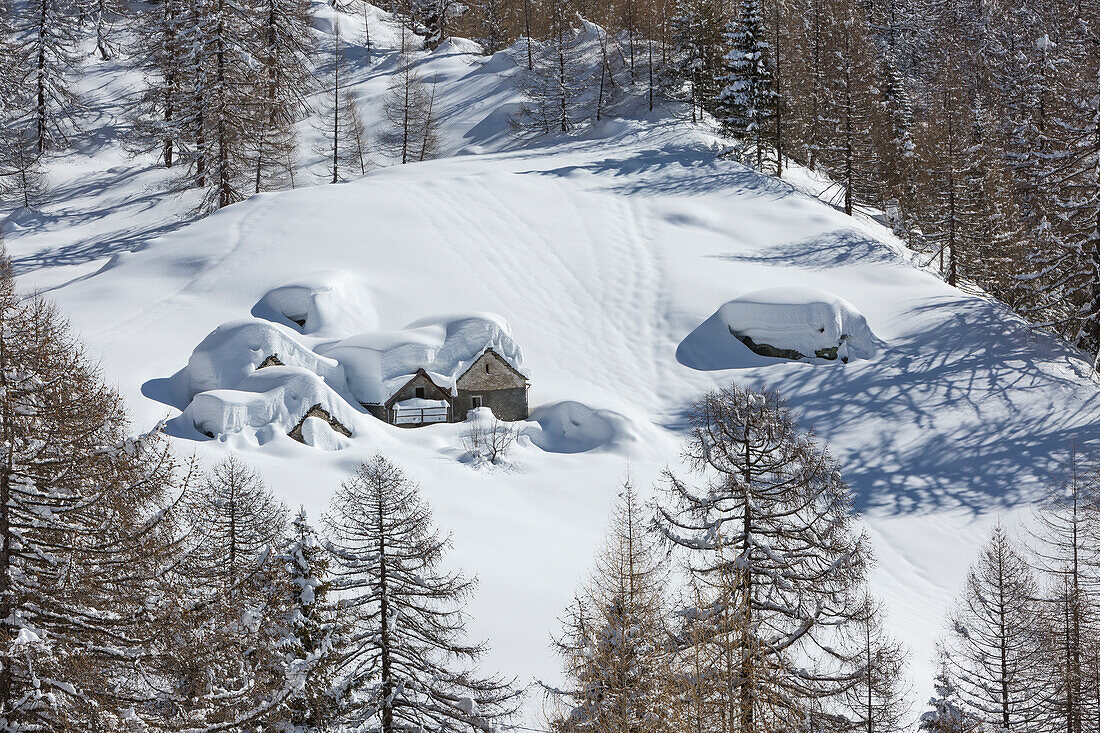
x: 973, y: 126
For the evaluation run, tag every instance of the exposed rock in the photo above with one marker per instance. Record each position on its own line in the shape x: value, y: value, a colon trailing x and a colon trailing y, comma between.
x: 322, y: 413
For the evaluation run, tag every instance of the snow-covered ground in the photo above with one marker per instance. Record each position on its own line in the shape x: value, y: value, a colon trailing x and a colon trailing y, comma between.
x: 611, y: 257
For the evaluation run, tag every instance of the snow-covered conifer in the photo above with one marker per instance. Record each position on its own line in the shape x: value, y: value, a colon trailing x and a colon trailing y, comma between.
x: 698, y: 38
x: 769, y: 530
x: 614, y: 646
x: 747, y: 100
x: 996, y: 641
x: 947, y: 714
x: 407, y: 664
x: 313, y: 633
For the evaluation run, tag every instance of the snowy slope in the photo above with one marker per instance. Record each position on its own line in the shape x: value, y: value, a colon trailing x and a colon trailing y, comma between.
x: 610, y: 257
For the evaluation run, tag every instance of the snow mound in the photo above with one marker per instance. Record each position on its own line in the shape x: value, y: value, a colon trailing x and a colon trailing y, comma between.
x: 571, y: 427
x: 235, y: 350
x: 280, y: 398
x: 799, y: 323
x: 324, y: 304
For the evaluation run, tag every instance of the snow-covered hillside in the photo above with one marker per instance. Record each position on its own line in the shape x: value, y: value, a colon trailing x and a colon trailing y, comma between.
x: 611, y: 257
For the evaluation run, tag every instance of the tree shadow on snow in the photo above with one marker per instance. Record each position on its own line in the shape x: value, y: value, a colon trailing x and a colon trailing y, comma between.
x: 676, y: 170
x: 821, y: 252
x: 974, y: 413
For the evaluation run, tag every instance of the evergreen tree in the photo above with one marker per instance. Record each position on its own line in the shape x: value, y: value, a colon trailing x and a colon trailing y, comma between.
x: 748, y: 100
x: 770, y: 530
x: 313, y: 635
x: 406, y: 665
x: 947, y: 715
x: 614, y: 647
x: 86, y: 532
x: 996, y: 642
x: 698, y: 42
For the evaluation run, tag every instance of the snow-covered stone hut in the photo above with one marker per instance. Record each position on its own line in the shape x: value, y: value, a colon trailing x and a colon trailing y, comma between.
x: 489, y: 381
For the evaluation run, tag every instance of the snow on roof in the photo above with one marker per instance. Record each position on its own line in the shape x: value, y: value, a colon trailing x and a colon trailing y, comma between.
x: 379, y: 363
x: 800, y: 319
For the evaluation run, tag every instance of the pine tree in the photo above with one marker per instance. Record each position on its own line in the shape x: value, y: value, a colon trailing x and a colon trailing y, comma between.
x: 613, y: 644
x: 947, y: 715
x: 412, y: 129
x: 747, y: 100
x: 283, y: 80
x: 995, y: 639
x: 313, y: 634
x: 698, y: 41
x: 879, y: 703
x: 345, y: 146
x: 560, y: 83
x: 407, y: 665
x: 86, y: 532
x: 769, y: 529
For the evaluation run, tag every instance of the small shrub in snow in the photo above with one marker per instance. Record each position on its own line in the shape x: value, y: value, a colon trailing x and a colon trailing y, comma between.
x: 489, y: 438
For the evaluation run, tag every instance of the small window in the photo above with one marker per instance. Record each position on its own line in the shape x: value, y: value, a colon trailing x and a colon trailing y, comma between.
x: 486, y: 367
x: 419, y: 393
x: 475, y: 401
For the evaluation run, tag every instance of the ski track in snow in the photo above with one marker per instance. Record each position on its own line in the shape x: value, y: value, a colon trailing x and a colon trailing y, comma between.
x: 607, y: 254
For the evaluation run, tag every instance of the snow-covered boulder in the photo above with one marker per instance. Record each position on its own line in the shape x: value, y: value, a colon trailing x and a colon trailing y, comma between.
x: 799, y: 323
x: 572, y: 427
